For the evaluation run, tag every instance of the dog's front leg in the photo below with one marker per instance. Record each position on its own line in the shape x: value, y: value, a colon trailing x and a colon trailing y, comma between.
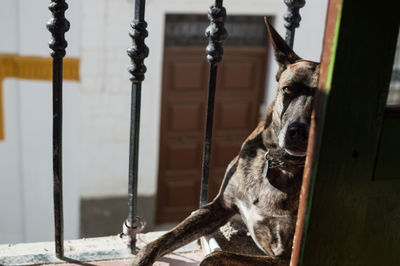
x: 202, y: 222
x: 223, y: 258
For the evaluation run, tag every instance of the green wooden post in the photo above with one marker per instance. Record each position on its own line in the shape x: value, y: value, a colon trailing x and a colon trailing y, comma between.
x: 352, y: 216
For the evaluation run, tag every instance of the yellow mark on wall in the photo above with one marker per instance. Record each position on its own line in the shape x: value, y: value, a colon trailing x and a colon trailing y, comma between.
x: 33, y: 68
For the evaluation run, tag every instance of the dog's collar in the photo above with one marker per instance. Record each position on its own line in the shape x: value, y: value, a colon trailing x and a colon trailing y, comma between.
x: 270, y: 163
x: 266, y: 165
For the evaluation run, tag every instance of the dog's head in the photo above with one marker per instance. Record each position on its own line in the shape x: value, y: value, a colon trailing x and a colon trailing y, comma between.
x: 289, y: 115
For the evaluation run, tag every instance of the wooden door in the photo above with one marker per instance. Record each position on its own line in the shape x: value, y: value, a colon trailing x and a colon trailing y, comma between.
x: 240, y: 87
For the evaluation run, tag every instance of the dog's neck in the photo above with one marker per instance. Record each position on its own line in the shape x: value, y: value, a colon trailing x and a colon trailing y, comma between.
x: 276, y: 155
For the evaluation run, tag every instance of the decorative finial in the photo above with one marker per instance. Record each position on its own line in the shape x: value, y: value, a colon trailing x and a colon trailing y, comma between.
x: 292, y: 18
x: 216, y: 32
x: 138, y: 51
x: 58, y: 25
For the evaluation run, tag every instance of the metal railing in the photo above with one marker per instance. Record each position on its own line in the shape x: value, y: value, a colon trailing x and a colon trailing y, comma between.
x: 137, y: 52
x: 58, y: 25
x: 216, y: 34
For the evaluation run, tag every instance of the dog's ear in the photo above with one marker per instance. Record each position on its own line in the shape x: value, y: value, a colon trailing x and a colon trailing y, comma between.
x: 283, y: 53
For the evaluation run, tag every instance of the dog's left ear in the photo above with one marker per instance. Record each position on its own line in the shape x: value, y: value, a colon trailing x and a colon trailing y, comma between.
x: 283, y: 53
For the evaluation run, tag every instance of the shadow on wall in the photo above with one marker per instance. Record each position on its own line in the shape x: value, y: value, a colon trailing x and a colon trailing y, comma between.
x: 105, y: 216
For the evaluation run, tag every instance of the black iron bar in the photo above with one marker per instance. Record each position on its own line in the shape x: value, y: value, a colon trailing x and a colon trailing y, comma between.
x: 292, y: 18
x: 58, y: 25
x: 57, y: 157
x: 216, y: 33
x: 137, y: 52
x: 134, y: 149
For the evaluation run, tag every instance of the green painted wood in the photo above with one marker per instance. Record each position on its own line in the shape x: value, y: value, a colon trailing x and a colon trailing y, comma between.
x: 388, y: 159
x: 354, y: 219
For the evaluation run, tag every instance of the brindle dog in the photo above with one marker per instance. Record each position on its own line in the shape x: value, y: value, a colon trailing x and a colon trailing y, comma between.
x: 262, y: 183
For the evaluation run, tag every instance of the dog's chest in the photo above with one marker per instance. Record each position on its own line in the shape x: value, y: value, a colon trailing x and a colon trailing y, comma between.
x: 268, y: 227
x: 274, y: 195
x: 261, y: 200
x: 268, y: 211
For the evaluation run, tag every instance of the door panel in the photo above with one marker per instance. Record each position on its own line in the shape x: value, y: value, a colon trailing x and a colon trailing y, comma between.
x: 233, y: 115
x: 183, y: 156
x: 187, y: 75
x: 240, y: 88
x: 184, y: 116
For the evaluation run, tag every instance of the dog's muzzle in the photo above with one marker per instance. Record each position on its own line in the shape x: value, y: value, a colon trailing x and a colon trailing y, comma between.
x: 296, y: 139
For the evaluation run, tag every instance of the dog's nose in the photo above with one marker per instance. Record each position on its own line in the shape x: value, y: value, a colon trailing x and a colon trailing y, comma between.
x: 297, y: 131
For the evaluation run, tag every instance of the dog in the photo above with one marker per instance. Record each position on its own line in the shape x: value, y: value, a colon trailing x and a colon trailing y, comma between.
x: 262, y: 183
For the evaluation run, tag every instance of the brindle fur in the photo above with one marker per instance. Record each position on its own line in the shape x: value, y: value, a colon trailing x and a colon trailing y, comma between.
x: 268, y: 206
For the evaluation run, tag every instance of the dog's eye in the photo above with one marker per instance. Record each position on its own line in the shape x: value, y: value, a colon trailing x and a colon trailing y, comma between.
x: 287, y: 90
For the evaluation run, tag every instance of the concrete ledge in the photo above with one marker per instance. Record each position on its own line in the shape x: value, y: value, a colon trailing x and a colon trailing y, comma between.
x: 111, y: 249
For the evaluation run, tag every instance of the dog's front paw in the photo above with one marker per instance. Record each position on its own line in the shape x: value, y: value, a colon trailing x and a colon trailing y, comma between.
x: 144, y: 257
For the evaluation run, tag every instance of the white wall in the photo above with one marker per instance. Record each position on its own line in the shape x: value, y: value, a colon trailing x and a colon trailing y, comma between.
x: 11, y: 202
x: 25, y: 155
x: 106, y: 86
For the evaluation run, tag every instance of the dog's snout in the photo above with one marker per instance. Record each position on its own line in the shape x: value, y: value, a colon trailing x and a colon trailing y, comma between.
x: 296, y: 138
x: 297, y: 131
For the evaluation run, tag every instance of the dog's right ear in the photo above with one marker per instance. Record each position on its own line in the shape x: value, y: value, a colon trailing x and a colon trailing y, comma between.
x: 283, y: 53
